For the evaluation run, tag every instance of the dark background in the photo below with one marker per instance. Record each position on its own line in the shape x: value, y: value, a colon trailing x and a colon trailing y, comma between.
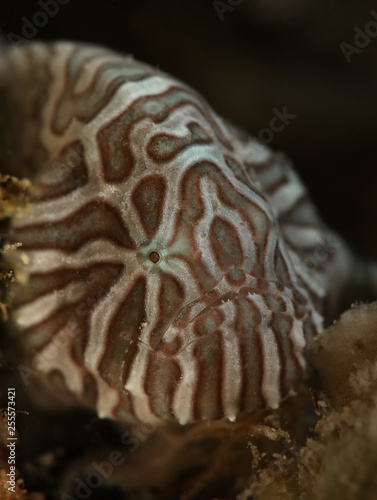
x: 264, y: 54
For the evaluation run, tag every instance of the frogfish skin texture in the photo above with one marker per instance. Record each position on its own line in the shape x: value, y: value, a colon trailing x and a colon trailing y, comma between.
x: 170, y: 268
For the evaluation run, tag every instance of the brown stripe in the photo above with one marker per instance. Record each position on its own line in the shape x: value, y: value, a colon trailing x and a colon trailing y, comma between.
x: 246, y: 326
x: 149, y: 197
x: 208, y: 401
x: 40, y: 284
x: 95, y: 220
x: 226, y: 244
x: 62, y: 174
x: 170, y: 302
x: 122, y: 336
x: 164, y: 147
x: 162, y: 378
x: 86, y: 105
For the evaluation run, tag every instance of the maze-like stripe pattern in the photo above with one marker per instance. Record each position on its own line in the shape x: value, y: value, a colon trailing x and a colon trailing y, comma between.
x: 164, y: 249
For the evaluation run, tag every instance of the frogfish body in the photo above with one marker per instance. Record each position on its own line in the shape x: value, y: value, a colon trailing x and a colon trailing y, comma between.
x: 171, y: 268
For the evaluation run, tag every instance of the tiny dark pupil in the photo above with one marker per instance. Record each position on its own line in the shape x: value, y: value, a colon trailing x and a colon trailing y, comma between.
x: 154, y: 257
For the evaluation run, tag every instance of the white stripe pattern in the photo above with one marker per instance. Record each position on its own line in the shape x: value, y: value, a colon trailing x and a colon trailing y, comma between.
x: 174, y: 246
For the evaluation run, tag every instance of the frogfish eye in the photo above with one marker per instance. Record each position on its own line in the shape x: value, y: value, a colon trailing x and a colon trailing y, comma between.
x: 154, y: 257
